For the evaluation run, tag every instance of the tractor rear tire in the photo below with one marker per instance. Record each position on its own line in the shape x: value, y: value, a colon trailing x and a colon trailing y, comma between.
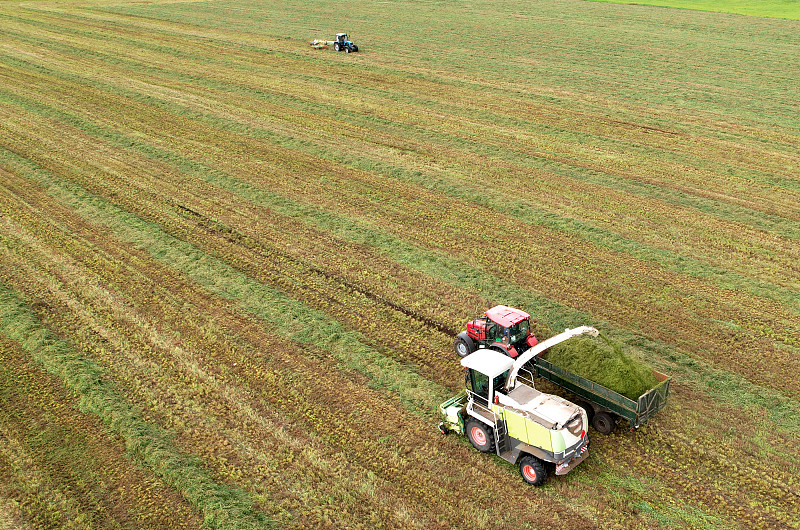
x: 336, y: 46
x: 463, y: 347
x: 603, y: 422
x: 532, y: 470
x: 498, y: 349
x: 480, y: 435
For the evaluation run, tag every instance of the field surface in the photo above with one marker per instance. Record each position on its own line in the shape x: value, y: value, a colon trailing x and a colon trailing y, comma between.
x: 789, y: 9
x: 232, y: 267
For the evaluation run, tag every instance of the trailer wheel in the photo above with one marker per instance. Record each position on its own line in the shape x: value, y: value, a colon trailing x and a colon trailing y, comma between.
x: 532, y: 470
x: 480, y: 435
x: 603, y: 423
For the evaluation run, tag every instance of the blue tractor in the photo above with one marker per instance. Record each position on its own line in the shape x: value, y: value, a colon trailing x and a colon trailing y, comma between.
x: 343, y: 42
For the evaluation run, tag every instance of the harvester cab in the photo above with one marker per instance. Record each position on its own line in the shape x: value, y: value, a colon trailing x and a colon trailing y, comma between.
x: 500, y: 411
x: 501, y: 328
x: 343, y: 42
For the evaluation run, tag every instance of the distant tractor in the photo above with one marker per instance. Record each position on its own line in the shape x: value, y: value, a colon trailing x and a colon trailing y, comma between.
x: 342, y: 43
x: 501, y: 328
x: 501, y: 412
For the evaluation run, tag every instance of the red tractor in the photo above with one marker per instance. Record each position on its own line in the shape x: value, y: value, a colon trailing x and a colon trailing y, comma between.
x: 502, y: 328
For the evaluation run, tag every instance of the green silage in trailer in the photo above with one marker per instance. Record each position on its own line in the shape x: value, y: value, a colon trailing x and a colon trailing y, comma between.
x: 603, y: 361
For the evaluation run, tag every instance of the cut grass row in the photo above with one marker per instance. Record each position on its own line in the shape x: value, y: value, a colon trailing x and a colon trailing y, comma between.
x: 355, y: 207
x: 65, y: 469
x: 302, y: 387
x: 772, y: 8
x: 219, y: 206
x: 711, y: 248
x: 95, y: 214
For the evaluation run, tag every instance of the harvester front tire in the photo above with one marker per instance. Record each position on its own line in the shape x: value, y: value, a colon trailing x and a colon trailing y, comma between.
x: 480, y: 435
x: 588, y: 408
x: 532, y: 470
x: 603, y: 422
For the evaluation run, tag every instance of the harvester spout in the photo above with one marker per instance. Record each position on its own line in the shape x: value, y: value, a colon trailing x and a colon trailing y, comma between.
x: 523, y: 359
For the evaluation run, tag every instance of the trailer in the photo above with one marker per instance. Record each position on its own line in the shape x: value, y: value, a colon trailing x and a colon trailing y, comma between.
x: 603, y: 405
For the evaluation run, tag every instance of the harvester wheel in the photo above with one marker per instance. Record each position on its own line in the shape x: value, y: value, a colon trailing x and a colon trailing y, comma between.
x: 480, y: 435
x: 532, y: 470
x: 588, y: 408
x: 603, y: 422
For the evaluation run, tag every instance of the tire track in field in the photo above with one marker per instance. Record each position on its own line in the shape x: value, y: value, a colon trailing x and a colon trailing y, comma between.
x: 237, y: 238
x: 722, y: 339
x: 728, y: 248
x: 423, y: 457
x: 373, y: 239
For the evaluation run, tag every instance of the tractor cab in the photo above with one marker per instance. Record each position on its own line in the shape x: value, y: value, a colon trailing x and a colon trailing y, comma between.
x: 343, y: 43
x: 501, y: 328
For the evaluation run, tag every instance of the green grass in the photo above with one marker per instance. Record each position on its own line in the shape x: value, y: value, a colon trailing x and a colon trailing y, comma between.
x: 789, y: 9
x: 603, y: 361
x: 627, y: 167
x: 223, y: 506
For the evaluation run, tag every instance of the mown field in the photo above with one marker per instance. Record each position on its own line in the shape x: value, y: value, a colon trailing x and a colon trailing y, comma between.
x: 232, y: 267
x: 789, y: 9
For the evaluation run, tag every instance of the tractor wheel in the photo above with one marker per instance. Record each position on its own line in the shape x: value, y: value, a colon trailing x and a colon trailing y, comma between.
x: 480, y: 435
x: 532, y: 470
x: 463, y: 348
x: 499, y: 350
x: 336, y: 46
x: 603, y: 422
x: 588, y: 408
x: 347, y: 49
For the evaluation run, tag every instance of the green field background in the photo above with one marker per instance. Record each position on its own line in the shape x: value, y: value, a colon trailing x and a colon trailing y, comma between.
x: 789, y: 9
x: 232, y: 266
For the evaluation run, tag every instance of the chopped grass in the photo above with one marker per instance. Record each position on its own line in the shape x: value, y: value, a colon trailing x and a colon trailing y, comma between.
x: 604, y: 362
